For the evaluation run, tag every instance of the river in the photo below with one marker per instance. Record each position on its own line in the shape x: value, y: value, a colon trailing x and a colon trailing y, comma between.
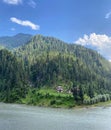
x: 22, y: 117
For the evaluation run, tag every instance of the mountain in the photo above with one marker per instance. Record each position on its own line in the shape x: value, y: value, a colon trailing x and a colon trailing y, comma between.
x: 1, y: 47
x: 43, y: 64
x: 52, y: 62
x: 11, y: 42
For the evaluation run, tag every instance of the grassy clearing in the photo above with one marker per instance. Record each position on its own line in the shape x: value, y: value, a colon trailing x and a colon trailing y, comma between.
x: 49, y: 98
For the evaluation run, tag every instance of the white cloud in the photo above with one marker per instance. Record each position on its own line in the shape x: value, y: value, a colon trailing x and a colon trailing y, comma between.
x: 101, y: 42
x: 25, y: 23
x: 14, y: 2
x: 107, y: 16
x: 32, y: 3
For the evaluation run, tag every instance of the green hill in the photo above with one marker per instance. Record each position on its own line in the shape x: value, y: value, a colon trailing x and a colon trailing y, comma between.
x: 52, y: 62
x: 11, y: 42
x: 46, y: 63
x: 1, y: 47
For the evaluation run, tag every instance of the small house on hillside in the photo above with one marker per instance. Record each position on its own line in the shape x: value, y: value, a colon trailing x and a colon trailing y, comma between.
x: 59, y: 89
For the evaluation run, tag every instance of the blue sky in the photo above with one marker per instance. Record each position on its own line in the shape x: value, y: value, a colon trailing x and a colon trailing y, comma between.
x: 54, y: 17
x: 79, y: 21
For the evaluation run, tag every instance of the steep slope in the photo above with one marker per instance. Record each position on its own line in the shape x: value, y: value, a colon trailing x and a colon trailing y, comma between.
x: 11, y: 42
x: 51, y: 62
x: 12, y: 78
x: 1, y: 47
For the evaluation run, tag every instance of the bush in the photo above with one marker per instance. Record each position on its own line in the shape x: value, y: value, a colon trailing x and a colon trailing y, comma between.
x: 52, y: 102
x: 96, y: 99
x: 58, y: 102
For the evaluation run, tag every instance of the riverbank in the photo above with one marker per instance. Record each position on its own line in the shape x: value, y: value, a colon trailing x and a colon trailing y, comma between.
x: 49, y: 98
x: 82, y: 106
x: 53, y: 99
x: 100, y: 104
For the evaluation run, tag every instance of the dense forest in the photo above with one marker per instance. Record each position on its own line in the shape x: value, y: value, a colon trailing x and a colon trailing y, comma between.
x: 12, y: 78
x: 31, y: 74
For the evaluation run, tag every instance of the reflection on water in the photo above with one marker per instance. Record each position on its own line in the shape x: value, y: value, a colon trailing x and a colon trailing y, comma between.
x: 21, y: 117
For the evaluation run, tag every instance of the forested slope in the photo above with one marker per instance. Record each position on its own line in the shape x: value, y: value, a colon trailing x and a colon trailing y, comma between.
x: 12, y: 78
x: 46, y: 62
x: 12, y: 42
x: 52, y: 62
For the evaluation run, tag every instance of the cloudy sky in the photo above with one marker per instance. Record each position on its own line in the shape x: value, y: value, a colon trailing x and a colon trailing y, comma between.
x: 85, y: 22
x: 47, y: 17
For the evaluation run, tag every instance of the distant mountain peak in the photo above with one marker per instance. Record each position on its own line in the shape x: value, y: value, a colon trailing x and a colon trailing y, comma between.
x: 15, y: 41
x: 21, y: 34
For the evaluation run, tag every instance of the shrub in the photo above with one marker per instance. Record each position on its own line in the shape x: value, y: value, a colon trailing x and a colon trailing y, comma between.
x: 52, y: 102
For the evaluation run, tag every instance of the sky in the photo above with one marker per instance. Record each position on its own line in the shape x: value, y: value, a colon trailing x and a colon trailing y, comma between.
x: 84, y: 22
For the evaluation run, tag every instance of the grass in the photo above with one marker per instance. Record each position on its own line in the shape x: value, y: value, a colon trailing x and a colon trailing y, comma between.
x: 107, y: 103
x: 49, y: 98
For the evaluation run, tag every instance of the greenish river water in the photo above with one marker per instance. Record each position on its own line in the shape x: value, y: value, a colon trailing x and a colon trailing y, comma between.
x: 21, y: 117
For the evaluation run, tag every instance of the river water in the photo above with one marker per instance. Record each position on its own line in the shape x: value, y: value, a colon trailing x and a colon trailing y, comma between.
x: 21, y: 117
